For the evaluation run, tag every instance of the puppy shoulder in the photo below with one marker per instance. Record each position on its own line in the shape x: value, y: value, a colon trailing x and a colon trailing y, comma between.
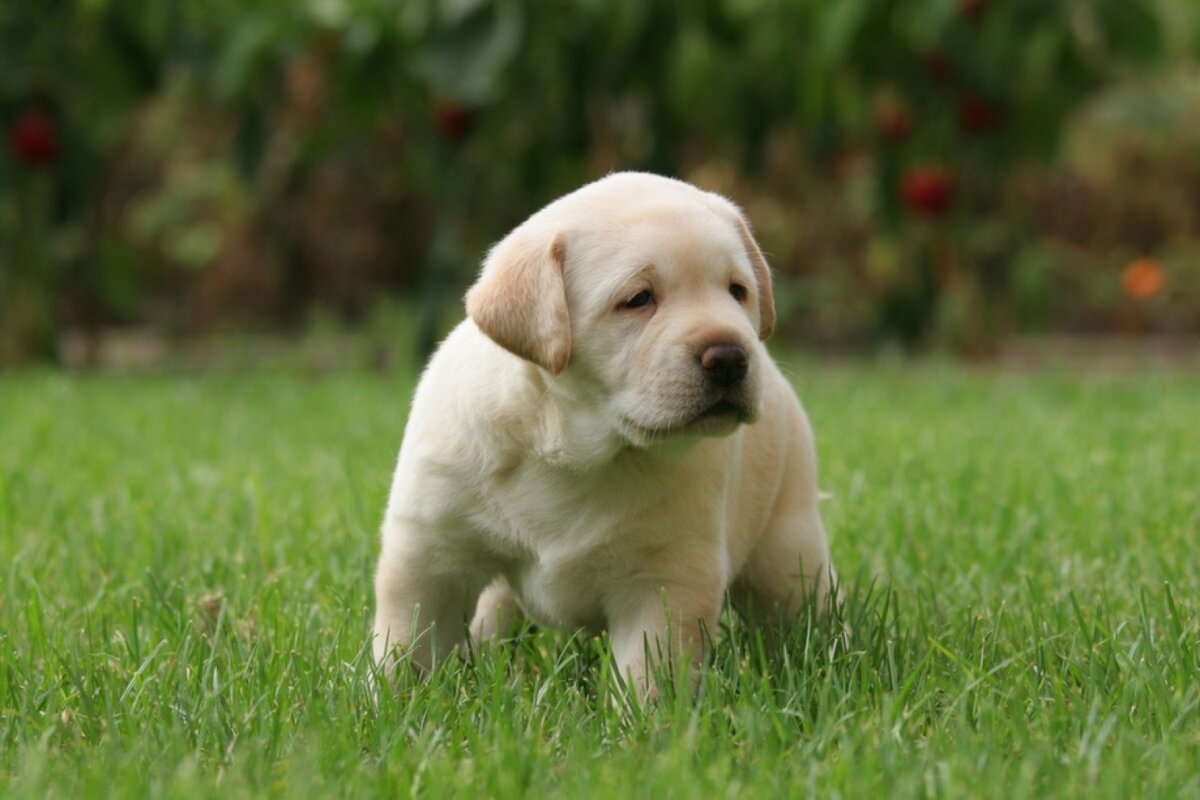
x: 475, y: 391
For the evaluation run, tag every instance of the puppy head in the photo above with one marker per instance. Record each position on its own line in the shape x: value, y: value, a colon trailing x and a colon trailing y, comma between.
x: 654, y: 292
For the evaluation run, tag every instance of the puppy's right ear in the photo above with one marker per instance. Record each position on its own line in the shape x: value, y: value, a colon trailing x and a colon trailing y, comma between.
x: 520, y: 300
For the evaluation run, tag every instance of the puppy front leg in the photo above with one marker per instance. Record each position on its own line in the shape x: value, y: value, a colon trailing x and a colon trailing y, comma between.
x: 660, y: 623
x: 497, y: 612
x: 419, y: 609
x: 788, y: 568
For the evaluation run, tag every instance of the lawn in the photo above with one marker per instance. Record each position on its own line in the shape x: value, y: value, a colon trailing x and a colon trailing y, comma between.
x: 186, y: 591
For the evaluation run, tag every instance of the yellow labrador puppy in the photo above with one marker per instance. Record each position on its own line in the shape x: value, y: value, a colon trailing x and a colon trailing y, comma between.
x: 605, y: 442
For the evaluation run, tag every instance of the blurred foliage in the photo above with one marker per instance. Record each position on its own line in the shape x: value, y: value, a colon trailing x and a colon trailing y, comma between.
x: 199, y: 163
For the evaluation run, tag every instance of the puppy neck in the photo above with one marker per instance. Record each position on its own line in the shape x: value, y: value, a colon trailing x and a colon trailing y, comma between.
x: 574, y: 429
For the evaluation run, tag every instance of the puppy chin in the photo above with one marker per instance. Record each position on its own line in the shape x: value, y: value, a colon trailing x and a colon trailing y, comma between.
x: 723, y: 418
x: 712, y: 425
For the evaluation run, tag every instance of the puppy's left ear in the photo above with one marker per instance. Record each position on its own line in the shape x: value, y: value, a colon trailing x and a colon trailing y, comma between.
x: 520, y: 300
x: 762, y: 274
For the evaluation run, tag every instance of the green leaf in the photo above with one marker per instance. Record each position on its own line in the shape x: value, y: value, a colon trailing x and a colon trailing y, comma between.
x: 238, y: 61
x: 466, y: 61
x: 839, y: 27
x: 1130, y: 29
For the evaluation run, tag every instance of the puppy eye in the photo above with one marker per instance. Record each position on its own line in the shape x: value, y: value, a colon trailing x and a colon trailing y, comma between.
x: 738, y: 291
x: 642, y: 298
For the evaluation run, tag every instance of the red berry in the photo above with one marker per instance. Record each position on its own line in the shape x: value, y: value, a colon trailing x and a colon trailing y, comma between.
x: 977, y: 115
x: 34, y: 139
x: 453, y: 120
x: 927, y: 191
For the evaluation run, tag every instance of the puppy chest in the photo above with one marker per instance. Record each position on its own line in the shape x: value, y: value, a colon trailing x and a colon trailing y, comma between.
x: 559, y: 555
x: 568, y: 544
x: 567, y: 593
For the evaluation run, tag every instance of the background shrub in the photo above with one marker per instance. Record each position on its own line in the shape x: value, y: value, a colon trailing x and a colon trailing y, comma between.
x: 918, y: 170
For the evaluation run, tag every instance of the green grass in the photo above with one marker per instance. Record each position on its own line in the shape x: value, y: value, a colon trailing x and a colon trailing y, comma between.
x: 186, y: 588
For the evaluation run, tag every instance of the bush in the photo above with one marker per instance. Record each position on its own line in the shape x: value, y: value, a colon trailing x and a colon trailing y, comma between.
x: 190, y: 163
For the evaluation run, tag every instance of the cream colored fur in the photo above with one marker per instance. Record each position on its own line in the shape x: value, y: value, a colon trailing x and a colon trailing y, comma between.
x: 567, y: 458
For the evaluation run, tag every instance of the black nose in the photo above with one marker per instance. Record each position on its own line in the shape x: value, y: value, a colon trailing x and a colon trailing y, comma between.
x: 724, y: 364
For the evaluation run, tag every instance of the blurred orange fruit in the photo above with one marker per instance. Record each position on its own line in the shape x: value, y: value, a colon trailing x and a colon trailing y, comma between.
x: 1143, y: 278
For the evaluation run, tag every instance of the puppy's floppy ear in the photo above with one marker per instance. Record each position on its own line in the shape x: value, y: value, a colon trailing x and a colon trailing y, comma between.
x: 762, y: 274
x: 520, y: 301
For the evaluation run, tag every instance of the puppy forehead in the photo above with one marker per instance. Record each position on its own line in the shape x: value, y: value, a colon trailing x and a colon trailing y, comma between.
x: 693, y: 237
x: 670, y: 242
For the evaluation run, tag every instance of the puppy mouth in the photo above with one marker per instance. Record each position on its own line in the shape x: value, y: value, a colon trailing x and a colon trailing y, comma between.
x: 725, y: 408
x: 718, y: 418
